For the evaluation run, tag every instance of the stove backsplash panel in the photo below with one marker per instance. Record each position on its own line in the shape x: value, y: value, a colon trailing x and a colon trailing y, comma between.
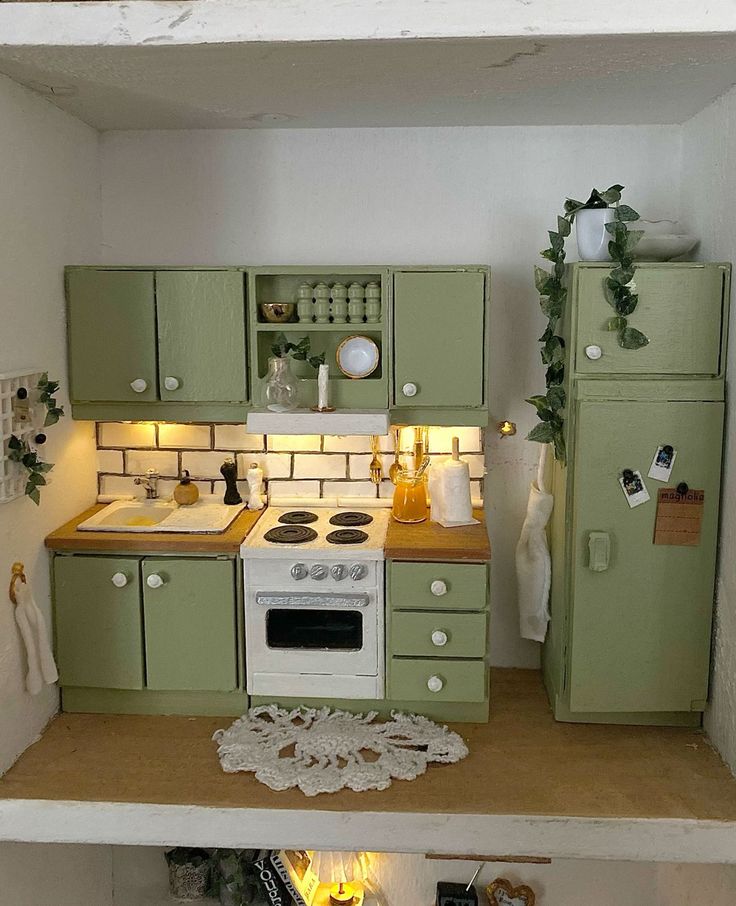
x: 307, y: 465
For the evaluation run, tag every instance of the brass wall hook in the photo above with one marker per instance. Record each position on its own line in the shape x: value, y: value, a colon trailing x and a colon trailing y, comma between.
x: 18, y: 573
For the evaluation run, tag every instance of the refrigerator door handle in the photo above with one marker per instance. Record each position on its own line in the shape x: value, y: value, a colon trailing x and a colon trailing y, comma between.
x: 599, y: 550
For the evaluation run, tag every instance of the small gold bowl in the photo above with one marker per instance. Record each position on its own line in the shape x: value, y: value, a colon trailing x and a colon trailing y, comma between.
x: 277, y: 312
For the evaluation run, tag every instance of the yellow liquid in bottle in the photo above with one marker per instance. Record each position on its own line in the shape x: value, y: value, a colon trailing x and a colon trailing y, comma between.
x: 410, y: 501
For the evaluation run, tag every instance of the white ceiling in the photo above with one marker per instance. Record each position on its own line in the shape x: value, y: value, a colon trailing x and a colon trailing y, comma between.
x: 440, y: 82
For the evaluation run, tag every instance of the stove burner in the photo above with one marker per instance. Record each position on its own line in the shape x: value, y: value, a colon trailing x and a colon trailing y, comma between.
x: 298, y: 517
x: 290, y: 534
x: 347, y: 536
x: 350, y: 519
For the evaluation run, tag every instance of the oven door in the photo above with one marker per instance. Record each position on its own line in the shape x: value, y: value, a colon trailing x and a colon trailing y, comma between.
x: 320, y: 634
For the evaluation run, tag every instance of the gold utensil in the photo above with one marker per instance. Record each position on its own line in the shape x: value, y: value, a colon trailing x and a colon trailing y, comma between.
x: 395, y: 466
x: 375, y: 469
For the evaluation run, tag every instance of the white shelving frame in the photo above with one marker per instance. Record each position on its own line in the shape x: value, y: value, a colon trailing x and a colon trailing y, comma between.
x: 24, y: 424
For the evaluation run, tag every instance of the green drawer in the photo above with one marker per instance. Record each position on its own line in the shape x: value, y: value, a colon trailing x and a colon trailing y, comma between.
x: 465, y: 586
x: 438, y: 634
x: 458, y: 681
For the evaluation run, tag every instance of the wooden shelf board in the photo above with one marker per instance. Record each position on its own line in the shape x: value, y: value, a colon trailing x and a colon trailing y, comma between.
x: 529, y: 785
x: 292, y: 326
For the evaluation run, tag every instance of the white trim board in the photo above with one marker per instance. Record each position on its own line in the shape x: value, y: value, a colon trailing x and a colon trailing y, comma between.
x: 629, y: 839
x: 243, y: 21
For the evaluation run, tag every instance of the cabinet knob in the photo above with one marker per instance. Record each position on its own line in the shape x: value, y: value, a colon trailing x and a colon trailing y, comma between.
x: 439, y: 638
x: 438, y: 588
x: 409, y: 389
x: 154, y: 581
x: 119, y: 580
x: 139, y: 385
x: 171, y: 382
x: 435, y: 683
x: 593, y: 352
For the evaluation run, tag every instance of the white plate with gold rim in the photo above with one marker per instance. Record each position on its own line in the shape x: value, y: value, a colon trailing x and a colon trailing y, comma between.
x: 357, y: 356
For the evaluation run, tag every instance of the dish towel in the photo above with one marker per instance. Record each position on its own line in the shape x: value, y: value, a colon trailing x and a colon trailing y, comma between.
x: 41, y: 665
x: 533, y: 563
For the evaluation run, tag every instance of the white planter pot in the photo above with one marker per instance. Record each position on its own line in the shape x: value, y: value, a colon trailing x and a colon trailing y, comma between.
x: 591, y: 234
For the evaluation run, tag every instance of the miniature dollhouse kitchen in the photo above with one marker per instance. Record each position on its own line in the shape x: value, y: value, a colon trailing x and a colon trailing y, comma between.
x: 302, y: 449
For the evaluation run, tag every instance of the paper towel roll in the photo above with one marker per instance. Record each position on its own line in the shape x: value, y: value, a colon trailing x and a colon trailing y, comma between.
x: 455, y: 492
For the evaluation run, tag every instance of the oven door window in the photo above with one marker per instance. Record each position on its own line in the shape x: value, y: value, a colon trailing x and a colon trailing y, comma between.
x: 315, y: 630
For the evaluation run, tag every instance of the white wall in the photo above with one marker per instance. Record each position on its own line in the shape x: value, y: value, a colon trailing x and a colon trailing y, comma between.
x: 709, y: 162
x: 49, y: 198
x: 439, y: 196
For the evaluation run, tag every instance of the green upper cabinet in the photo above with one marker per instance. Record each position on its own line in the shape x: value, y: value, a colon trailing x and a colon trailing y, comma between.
x: 166, y: 344
x: 440, y: 331
x: 201, y: 336
x: 680, y: 310
x: 112, y: 335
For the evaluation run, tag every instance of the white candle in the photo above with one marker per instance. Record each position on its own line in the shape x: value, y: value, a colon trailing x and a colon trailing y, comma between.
x: 322, y: 384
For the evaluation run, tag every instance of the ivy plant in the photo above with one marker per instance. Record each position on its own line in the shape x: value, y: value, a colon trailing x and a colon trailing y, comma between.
x: 46, y: 391
x: 20, y: 452
x: 299, y: 351
x: 618, y: 289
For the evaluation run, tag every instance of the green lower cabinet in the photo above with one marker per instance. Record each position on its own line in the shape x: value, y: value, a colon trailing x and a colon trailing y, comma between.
x: 99, y: 632
x: 441, y: 586
x: 190, y: 624
x: 438, y: 634
x: 435, y: 679
x: 148, y: 635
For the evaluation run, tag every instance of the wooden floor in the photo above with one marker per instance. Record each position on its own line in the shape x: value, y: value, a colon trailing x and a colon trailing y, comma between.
x: 521, y: 763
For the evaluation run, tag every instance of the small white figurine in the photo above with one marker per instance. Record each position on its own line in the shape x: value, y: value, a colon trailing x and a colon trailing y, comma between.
x: 254, y: 477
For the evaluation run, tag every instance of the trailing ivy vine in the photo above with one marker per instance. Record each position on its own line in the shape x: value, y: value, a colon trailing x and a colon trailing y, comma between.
x: 20, y: 452
x: 46, y: 391
x: 282, y: 347
x: 618, y: 289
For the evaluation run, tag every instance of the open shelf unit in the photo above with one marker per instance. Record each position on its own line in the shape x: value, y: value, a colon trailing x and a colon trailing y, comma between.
x: 281, y: 284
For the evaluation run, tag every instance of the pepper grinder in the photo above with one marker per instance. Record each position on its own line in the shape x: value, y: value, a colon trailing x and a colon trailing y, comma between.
x: 229, y: 472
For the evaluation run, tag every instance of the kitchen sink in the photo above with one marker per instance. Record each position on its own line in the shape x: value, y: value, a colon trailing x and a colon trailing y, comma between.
x: 207, y: 515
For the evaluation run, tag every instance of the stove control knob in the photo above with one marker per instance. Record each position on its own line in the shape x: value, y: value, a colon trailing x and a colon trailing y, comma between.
x: 299, y: 571
x: 358, y: 571
x: 318, y: 571
x: 338, y: 571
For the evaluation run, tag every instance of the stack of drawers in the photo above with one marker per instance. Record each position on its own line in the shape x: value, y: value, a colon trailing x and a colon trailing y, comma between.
x: 437, y: 638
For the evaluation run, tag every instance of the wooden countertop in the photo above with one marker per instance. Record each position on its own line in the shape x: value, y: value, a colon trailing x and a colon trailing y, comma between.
x: 67, y: 538
x: 429, y: 541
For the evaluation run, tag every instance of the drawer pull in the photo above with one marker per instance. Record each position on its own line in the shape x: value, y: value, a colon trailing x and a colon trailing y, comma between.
x: 409, y: 389
x: 435, y: 683
x: 593, y: 352
x: 439, y: 638
x: 171, y: 382
x: 119, y: 580
x: 438, y: 588
x: 154, y: 581
x: 139, y: 385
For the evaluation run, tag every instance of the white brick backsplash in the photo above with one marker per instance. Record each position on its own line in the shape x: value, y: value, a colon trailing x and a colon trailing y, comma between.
x: 139, y: 461
x: 204, y: 465
x: 477, y: 465
x: 274, y: 465
x: 349, y: 489
x: 359, y: 465
x: 316, y: 465
x: 115, y: 434
x: 294, y: 442
x: 293, y: 489
x: 440, y: 440
x: 386, y: 489
x: 110, y: 461
x: 347, y: 443
x: 125, y: 485
x: 182, y: 437
x: 235, y: 437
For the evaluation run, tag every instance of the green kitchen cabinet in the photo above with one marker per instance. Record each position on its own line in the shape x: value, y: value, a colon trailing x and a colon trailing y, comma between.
x: 190, y: 624
x: 440, y: 344
x: 149, y: 634
x: 99, y: 631
x: 630, y: 631
x: 167, y: 345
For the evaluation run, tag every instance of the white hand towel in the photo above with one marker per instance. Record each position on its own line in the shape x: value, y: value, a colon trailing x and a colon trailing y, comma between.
x: 533, y: 563
x: 41, y: 665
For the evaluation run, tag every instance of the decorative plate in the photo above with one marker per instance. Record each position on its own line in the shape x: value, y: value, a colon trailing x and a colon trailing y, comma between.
x: 357, y: 356
x: 501, y: 893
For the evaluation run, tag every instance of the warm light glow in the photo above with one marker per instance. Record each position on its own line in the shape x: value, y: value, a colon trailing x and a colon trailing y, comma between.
x: 506, y: 428
x: 342, y: 894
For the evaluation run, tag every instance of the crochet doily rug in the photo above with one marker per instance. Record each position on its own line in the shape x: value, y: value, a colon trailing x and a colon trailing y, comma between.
x: 323, y: 751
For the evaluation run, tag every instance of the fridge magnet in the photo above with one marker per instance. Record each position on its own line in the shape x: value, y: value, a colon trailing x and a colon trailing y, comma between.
x: 664, y: 460
x: 679, y: 516
x: 632, y: 484
x: 501, y: 893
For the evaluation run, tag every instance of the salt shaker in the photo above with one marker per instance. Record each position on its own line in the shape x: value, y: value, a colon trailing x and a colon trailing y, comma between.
x: 356, y: 305
x: 305, y: 305
x: 254, y: 477
x: 373, y: 303
x: 322, y: 303
x: 339, y: 303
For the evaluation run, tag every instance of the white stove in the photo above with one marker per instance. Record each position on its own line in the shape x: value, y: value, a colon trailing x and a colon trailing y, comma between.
x: 314, y: 603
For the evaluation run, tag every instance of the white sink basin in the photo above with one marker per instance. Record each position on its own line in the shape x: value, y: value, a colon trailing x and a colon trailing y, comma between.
x: 208, y: 515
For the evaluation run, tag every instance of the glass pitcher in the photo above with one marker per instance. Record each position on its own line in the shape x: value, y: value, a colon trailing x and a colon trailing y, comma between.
x: 281, y: 389
x: 410, y: 496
